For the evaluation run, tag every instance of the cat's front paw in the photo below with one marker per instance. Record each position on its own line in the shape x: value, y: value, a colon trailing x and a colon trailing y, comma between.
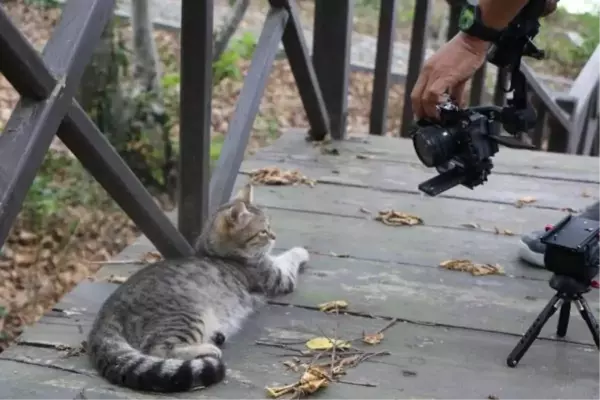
x: 300, y: 255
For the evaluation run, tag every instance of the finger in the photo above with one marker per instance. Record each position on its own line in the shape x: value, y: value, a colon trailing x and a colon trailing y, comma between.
x: 458, y: 94
x: 434, y: 95
x: 416, y: 96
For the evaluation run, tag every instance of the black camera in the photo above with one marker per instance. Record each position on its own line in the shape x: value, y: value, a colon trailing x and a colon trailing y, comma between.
x: 572, y: 249
x: 461, y: 143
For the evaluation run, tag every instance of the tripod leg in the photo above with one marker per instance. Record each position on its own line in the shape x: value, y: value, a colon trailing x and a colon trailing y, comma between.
x: 588, y: 317
x: 532, y: 333
x: 563, y: 318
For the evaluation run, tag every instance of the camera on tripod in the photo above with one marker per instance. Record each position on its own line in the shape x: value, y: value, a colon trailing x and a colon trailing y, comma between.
x: 572, y: 249
x: 572, y: 254
x: 461, y: 143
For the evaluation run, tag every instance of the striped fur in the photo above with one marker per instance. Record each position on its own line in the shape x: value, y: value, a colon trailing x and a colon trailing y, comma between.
x: 162, y: 329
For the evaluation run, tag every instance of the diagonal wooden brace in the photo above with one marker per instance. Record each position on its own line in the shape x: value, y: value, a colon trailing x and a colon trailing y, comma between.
x: 47, y: 86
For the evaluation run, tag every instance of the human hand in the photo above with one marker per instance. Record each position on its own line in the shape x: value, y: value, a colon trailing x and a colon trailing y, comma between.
x: 447, y: 72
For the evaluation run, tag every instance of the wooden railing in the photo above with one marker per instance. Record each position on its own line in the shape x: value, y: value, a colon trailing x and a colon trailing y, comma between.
x: 47, y: 84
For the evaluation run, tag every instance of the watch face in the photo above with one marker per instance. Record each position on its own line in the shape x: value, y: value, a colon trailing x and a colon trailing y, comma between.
x: 467, y: 18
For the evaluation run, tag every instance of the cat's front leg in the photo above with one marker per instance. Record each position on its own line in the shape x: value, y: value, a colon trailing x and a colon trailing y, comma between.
x: 285, y: 269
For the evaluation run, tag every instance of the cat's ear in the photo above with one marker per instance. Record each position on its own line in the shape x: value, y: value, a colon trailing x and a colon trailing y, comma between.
x: 238, y: 212
x: 246, y: 194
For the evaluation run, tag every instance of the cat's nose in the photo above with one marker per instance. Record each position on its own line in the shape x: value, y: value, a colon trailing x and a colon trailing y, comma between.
x: 272, y: 235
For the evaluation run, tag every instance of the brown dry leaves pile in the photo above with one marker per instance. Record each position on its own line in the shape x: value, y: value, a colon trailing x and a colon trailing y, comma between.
x: 37, y: 269
x: 397, y: 218
x: 525, y: 200
x: 329, y: 358
x: 474, y: 269
x: 278, y: 176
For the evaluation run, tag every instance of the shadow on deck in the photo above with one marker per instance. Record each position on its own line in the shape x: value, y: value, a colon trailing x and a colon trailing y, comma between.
x: 456, y: 330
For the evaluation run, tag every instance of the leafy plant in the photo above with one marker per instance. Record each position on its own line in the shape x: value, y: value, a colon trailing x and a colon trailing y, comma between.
x: 227, y: 66
x: 43, y: 3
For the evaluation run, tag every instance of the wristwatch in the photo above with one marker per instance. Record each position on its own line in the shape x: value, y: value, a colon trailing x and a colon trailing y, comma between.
x: 470, y: 23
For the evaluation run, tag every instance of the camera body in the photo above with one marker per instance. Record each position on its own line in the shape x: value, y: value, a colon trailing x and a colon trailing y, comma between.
x: 458, y: 146
x: 572, y: 249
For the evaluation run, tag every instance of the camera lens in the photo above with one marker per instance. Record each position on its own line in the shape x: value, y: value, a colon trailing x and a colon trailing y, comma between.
x: 433, y: 145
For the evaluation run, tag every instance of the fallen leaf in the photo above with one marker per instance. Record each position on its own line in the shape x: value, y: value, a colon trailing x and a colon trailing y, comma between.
x: 332, y: 254
x: 374, y: 338
x: 585, y: 193
x: 116, y: 279
x: 335, y: 305
x: 323, y: 343
x: 276, y: 176
x: 525, y: 200
x: 365, y: 210
x: 152, y: 256
x: 505, y: 232
x: 471, y: 225
x: 363, y: 156
x: 473, y: 268
x: 396, y: 218
x: 312, y: 380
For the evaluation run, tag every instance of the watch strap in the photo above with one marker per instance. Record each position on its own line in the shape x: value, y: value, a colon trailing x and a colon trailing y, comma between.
x: 477, y: 28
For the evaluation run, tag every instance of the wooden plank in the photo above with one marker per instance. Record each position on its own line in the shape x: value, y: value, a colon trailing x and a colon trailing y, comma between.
x: 432, y: 296
x: 418, y: 245
x: 534, y: 163
x: 502, y: 189
x: 359, y: 202
x: 453, y: 356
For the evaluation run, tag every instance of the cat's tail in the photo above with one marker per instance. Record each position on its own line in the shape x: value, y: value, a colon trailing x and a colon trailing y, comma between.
x: 123, y: 365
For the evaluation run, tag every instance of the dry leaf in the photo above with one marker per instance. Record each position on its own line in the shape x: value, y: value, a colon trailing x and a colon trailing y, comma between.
x: 116, y: 279
x: 374, y: 338
x: 525, y: 200
x: 396, y: 218
x: 332, y: 254
x: 276, y: 176
x: 335, y: 305
x: 364, y: 210
x: 291, y: 365
x: 152, y: 256
x: 471, y: 225
x: 323, y: 343
x: 473, y: 268
x: 506, y: 232
x: 585, y: 193
x: 312, y: 380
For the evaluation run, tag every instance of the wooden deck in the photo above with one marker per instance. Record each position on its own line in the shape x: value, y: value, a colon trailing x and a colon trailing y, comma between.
x: 456, y: 330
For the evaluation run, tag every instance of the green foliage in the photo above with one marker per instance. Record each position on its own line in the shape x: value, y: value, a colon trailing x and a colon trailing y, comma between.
x: 563, y: 56
x: 61, y: 182
x: 227, y: 66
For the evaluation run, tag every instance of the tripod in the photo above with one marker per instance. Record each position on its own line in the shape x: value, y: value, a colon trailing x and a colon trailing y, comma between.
x: 568, y: 290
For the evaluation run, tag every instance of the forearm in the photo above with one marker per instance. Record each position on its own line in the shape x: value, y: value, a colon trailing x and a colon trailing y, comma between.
x: 497, y: 14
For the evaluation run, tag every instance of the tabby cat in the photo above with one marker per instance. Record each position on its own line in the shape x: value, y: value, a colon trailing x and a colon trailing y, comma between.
x: 162, y: 329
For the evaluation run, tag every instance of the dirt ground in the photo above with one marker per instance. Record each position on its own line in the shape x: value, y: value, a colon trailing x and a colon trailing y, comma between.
x: 39, y: 265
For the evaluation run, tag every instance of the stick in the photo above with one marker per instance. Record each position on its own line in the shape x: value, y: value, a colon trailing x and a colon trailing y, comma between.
x: 278, y: 345
x: 366, y: 384
x: 388, y: 326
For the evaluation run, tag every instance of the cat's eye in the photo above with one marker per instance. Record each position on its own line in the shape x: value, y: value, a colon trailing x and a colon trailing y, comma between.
x: 264, y: 232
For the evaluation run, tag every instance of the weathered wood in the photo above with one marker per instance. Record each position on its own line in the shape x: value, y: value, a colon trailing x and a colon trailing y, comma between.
x: 453, y: 356
x: 383, y: 67
x: 195, y: 98
x: 418, y: 39
x: 236, y: 140
x: 303, y: 70
x: 501, y: 189
x: 364, y: 203
x: 506, y: 161
x: 33, y: 123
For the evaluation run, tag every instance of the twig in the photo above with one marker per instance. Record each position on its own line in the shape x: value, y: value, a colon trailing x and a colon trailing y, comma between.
x: 278, y: 345
x: 116, y: 262
x: 388, y: 326
x: 366, y: 384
